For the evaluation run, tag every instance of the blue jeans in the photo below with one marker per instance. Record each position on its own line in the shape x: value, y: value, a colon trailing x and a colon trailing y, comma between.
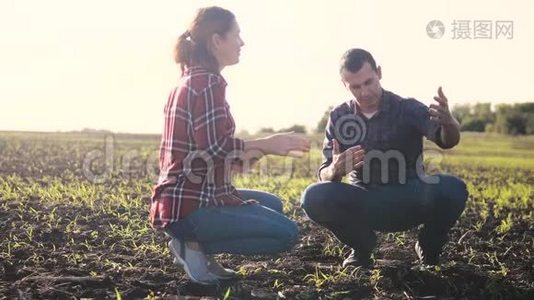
x: 246, y: 229
x: 354, y: 212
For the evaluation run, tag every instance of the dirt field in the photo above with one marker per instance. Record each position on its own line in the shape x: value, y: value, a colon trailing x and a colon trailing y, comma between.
x: 70, y: 230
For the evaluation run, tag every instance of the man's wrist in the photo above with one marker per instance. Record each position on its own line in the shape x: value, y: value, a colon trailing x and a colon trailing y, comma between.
x: 329, y: 174
x: 450, y: 122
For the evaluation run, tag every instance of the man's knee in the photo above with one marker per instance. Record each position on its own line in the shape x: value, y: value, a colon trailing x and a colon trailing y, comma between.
x: 313, y: 199
x: 454, y: 190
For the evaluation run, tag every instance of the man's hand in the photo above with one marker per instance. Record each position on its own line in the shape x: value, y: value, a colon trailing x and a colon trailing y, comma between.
x: 440, y: 112
x: 343, y: 162
x: 450, y: 128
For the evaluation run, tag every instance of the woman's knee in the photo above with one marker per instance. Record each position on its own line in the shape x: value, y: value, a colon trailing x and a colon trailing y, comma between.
x: 264, y: 198
x: 289, y: 238
x: 282, y: 231
x: 273, y: 202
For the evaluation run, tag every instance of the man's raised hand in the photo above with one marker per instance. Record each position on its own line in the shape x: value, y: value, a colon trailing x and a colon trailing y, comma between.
x: 346, y: 161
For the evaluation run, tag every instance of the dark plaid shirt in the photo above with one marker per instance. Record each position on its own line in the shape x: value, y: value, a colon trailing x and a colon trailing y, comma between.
x: 196, y: 147
x: 392, y: 138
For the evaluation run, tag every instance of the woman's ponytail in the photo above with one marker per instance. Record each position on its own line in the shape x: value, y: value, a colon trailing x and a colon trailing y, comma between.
x: 183, y: 53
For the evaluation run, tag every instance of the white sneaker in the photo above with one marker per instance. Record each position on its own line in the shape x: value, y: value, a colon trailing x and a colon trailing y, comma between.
x: 219, y: 271
x: 216, y: 269
x: 194, y: 262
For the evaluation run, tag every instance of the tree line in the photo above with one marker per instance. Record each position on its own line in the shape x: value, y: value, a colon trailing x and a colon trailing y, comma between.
x: 511, y: 119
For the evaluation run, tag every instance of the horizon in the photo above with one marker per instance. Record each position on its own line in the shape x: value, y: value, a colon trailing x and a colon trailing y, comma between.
x: 70, y: 65
x: 310, y: 130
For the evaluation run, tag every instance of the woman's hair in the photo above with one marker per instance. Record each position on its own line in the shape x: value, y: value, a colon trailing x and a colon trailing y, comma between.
x: 193, y: 46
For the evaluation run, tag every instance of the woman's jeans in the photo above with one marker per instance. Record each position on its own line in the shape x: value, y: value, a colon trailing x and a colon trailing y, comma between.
x: 247, y: 229
x: 354, y: 212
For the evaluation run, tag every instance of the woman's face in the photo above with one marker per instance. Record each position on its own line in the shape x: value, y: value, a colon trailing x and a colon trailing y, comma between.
x: 226, y: 48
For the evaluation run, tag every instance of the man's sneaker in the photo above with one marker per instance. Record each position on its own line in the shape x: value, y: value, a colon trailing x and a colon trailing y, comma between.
x: 219, y: 271
x: 426, y: 256
x: 357, y: 260
x: 193, y: 261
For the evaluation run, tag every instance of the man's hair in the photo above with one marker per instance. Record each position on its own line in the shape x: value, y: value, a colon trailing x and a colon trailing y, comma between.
x: 353, y: 60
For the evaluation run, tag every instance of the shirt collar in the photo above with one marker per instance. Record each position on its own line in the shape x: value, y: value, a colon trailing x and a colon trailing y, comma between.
x: 383, y: 106
x: 385, y: 101
x: 195, y: 69
x: 199, y: 70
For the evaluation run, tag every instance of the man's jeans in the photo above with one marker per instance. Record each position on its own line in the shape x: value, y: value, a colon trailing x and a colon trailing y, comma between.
x: 353, y: 212
x: 246, y: 229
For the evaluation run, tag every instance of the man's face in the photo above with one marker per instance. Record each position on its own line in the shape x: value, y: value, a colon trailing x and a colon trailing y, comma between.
x: 364, y: 84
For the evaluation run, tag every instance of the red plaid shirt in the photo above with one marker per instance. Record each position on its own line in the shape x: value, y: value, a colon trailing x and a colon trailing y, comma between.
x: 197, y: 149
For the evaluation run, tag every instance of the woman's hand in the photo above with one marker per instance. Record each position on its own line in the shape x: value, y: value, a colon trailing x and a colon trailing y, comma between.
x: 250, y: 202
x: 287, y: 143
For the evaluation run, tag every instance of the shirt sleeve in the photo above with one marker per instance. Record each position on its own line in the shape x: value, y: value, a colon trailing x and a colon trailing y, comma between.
x: 420, y: 118
x: 211, y: 130
x: 328, y: 146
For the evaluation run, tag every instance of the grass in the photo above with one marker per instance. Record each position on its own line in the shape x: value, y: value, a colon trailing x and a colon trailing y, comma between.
x: 55, y: 220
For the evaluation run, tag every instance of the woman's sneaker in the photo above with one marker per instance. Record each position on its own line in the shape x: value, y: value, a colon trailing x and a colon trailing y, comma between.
x: 216, y: 269
x: 194, y: 262
x: 219, y: 271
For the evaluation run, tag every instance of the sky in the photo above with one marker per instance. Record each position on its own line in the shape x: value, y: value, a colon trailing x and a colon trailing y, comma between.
x: 72, y: 64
